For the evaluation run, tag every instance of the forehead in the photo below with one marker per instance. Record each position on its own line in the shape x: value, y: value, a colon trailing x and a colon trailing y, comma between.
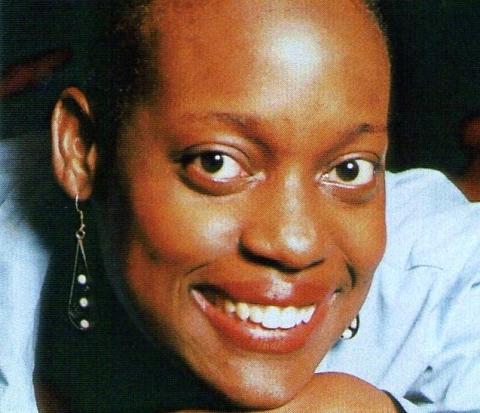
x: 218, y: 22
x: 270, y: 53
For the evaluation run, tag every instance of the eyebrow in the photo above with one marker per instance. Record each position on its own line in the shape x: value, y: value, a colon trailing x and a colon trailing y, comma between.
x: 241, y: 122
x: 365, y: 128
x: 247, y: 121
x: 237, y: 120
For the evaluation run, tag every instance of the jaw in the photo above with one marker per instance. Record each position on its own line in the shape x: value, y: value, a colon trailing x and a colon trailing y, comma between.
x: 254, y: 378
x: 254, y: 364
x: 254, y: 381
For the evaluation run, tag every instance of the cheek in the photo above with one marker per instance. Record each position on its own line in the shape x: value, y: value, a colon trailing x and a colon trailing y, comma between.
x: 171, y: 224
x: 364, y: 237
x: 173, y: 231
x: 361, y: 237
x: 177, y: 226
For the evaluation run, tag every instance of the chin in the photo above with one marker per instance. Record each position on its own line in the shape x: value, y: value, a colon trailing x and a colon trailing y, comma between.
x: 258, y: 383
x: 263, y: 396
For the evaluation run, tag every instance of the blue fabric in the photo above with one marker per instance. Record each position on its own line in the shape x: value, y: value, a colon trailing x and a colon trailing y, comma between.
x: 419, y: 337
x: 23, y: 264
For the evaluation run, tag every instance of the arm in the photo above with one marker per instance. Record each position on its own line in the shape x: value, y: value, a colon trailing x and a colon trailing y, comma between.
x: 337, y: 393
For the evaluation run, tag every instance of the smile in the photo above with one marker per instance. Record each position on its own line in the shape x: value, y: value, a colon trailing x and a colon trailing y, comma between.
x: 260, y: 324
x: 270, y: 317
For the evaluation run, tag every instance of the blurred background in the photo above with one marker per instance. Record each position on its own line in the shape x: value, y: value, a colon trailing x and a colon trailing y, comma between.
x: 436, y: 59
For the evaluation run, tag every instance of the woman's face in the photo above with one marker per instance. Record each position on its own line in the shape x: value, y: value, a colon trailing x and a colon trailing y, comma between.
x: 256, y: 188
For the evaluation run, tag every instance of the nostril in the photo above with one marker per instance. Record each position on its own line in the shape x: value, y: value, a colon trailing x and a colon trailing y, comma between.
x: 289, y: 244
x: 283, y: 266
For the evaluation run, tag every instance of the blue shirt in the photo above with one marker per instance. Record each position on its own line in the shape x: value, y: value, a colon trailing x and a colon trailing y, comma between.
x: 419, y: 338
x: 419, y: 335
x: 23, y: 264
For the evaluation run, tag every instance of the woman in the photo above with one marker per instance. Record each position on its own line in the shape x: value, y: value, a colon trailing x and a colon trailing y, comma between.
x: 240, y: 194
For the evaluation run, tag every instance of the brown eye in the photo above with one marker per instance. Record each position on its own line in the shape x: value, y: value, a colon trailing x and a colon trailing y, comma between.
x: 217, y: 165
x: 353, y: 172
x: 212, y: 162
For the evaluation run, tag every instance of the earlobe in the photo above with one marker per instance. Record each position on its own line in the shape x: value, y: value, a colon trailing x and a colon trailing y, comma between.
x: 74, y: 151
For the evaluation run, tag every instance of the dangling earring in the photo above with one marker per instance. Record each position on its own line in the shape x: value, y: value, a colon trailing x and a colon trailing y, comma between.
x: 80, y: 302
x: 352, y: 330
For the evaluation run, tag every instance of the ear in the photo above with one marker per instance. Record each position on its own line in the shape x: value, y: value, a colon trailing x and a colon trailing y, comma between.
x: 74, y: 152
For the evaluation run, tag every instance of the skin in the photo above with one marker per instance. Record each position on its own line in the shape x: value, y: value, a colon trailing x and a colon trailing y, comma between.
x: 468, y: 182
x: 471, y: 134
x: 31, y: 72
x: 286, y: 93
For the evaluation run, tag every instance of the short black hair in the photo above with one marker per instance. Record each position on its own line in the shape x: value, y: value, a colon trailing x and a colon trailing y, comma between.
x: 118, y: 60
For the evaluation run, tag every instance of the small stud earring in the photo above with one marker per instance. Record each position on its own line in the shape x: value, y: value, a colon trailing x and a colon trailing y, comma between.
x: 352, y: 330
x: 80, y: 303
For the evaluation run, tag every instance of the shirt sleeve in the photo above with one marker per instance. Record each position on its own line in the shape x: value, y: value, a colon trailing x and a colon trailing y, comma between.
x: 419, y: 339
x: 23, y: 264
x: 451, y: 381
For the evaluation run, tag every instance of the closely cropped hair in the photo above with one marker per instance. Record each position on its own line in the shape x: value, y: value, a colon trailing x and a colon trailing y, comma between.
x: 121, y: 65
x: 373, y: 6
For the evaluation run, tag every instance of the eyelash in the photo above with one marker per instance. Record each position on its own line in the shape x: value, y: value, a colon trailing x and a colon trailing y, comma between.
x: 357, y: 165
x: 236, y: 175
x: 194, y: 171
x: 208, y: 159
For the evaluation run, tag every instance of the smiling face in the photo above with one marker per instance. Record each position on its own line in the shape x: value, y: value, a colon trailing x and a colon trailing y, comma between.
x: 255, y: 184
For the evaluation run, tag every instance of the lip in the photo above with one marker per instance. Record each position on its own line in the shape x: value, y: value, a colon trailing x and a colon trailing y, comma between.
x: 274, y: 291
x: 253, y: 337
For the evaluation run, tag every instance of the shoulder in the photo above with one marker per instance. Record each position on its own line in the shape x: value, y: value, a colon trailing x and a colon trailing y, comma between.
x: 419, y: 334
x: 24, y: 162
x: 429, y: 222
x: 23, y: 263
x: 433, y: 244
x: 425, y: 293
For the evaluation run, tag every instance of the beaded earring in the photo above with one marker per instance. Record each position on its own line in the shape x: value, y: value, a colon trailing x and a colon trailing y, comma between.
x: 352, y: 330
x: 80, y: 303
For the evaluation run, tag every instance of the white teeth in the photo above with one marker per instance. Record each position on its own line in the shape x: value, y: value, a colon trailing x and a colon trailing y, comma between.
x: 288, y: 318
x: 308, y: 313
x: 229, y: 307
x: 243, y: 311
x: 271, y: 317
x: 256, y: 313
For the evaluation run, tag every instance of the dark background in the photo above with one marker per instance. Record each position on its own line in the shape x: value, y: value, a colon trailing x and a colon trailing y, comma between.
x: 436, y: 58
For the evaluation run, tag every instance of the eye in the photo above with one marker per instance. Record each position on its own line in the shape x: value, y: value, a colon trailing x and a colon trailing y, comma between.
x: 352, y: 172
x: 219, y: 166
x: 215, y: 169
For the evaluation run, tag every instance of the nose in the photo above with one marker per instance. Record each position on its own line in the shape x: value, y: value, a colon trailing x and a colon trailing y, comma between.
x: 285, y: 230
